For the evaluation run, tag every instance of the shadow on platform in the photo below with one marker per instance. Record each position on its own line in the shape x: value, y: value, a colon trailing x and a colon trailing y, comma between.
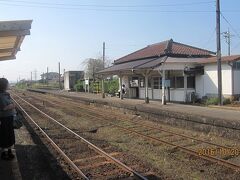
x: 32, y: 162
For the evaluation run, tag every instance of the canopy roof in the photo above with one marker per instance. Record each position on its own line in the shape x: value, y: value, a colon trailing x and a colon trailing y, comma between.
x: 12, y: 34
x: 128, y: 65
x: 152, y: 63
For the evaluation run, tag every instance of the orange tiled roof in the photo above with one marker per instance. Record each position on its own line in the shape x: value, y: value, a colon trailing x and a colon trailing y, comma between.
x: 166, y: 48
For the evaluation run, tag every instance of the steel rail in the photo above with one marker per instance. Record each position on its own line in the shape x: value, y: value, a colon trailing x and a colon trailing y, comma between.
x: 149, y: 126
x: 56, y: 147
x: 109, y: 157
x: 187, y: 150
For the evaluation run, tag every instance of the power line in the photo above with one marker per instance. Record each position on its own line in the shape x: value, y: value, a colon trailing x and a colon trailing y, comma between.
x: 100, y: 7
x: 106, y: 8
x: 96, y: 5
x: 109, y: 10
x: 210, y: 38
x: 230, y: 25
x: 235, y: 47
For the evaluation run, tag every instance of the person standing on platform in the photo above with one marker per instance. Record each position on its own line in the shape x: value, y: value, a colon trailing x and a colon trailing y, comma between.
x: 7, y: 113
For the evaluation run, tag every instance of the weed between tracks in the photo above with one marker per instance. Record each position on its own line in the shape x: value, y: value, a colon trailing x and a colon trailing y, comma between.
x: 153, y: 156
x: 175, y: 164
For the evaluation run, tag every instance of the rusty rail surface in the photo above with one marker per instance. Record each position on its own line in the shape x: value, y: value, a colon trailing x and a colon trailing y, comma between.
x: 187, y: 150
x: 67, y: 159
x: 90, y: 145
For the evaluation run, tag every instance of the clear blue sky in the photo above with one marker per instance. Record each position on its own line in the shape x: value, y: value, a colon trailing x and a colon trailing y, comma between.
x: 74, y: 32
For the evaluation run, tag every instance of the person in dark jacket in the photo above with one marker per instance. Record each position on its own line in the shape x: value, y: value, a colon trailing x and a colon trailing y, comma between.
x: 7, y: 113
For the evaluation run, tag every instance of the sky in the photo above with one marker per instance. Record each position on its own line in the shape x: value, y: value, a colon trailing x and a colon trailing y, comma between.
x: 70, y: 31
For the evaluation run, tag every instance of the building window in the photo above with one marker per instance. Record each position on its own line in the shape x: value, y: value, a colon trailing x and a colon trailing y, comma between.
x: 142, y: 83
x: 134, y: 82
x: 149, y: 82
x: 191, y: 82
x: 156, y: 83
x: 172, y: 82
x: 236, y: 65
x: 179, y: 82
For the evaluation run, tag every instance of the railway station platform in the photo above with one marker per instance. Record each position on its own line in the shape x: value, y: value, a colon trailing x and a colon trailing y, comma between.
x: 9, y: 170
x: 222, y: 121
x: 32, y: 159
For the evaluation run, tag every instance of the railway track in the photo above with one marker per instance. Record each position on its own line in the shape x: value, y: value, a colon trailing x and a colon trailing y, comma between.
x: 85, y: 158
x: 149, y: 132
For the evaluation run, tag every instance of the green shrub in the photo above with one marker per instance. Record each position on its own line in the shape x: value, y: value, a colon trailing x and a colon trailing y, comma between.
x: 21, y: 86
x: 79, y: 86
x: 111, y: 86
x: 212, y: 101
x: 227, y: 101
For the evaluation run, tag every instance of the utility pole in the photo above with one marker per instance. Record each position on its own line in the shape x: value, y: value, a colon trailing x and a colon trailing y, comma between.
x: 35, y: 75
x: 103, y: 55
x: 220, y: 101
x: 47, y: 76
x: 31, y: 77
x: 59, y: 75
x: 43, y: 78
x: 103, y: 93
x: 227, y: 35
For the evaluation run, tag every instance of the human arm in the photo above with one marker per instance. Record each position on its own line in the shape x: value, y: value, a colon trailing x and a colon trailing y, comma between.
x: 9, y: 107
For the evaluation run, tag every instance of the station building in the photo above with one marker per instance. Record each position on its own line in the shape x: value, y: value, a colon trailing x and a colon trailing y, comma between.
x: 176, y: 72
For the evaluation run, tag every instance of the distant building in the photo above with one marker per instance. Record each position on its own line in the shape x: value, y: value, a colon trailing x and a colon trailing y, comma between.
x: 51, y: 77
x: 71, y: 78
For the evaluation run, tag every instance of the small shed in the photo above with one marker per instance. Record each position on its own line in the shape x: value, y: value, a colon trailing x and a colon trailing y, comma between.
x: 71, y: 78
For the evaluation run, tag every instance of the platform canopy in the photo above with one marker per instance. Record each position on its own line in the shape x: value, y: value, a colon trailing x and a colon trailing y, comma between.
x: 12, y: 34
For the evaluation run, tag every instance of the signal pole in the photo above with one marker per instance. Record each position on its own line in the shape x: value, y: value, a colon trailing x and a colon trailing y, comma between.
x: 103, y: 93
x: 220, y: 101
x: 103, y: 55
x: 59, y: 75
x: 47, y: 76
x: 35, y: 76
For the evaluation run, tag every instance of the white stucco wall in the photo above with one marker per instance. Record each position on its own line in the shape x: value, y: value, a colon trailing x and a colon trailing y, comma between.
x: 175, y: 94
x: 199, y: 84
x: 236, y: 81
x: 142, y: 93
x: 125, y: 81
x: 66, y: 81
x: 207, y: 84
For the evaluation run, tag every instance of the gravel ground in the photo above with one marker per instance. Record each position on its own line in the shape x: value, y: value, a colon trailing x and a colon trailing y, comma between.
x: 34, y: 159
x: 174, y: 164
